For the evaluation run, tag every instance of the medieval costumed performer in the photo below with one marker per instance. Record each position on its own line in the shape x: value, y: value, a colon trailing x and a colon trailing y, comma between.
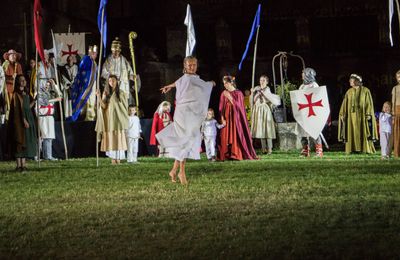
x: 68, y: 73
x: 83, y: 91
x: 21, y: 125
x: 11, y: 68
x: 118, y: 65
x: 357, y: 124
x: 133, y: 135
x: 262, y: 120
x: 161, y: 119
x: 182, y: 138
x: 46, y: 71
x: 209, y: 133
x: 385, y: 130
x: 236, y: 141
x: 48, y: 95
x: 113, y: 121
x: 308, y: 76
x: 396, y: 116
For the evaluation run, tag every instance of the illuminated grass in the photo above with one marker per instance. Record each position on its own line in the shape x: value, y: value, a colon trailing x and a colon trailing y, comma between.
x: 281, y: 206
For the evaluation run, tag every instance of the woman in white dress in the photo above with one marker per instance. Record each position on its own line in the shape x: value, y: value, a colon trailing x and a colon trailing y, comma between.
x: 182, y: 137
x: 262, y: 121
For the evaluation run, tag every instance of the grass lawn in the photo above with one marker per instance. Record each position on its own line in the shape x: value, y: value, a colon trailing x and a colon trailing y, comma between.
x: 281, y: 206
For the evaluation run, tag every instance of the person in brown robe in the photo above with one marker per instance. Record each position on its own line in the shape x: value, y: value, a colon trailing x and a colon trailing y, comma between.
x: 396, y: 116
x: 21, y: 125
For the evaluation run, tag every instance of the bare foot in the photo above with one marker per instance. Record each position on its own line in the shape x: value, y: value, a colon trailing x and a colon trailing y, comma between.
x: 182, y: 178
x: 172, y: 174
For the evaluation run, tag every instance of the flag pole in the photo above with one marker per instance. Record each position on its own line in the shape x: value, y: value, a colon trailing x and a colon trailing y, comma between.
x: 98, y: 83
x: 398, y: 11
x: 254, y: 58
x: 37, y: 105
x: 59, y: 103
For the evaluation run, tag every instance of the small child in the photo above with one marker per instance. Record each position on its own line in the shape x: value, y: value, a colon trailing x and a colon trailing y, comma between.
x: 385, y: 130
x: 209, y: 133
x: 161, y: 119
x: 133, y: 135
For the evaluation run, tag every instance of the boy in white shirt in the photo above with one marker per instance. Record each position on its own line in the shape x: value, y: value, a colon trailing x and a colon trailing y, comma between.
x: 133, y: 135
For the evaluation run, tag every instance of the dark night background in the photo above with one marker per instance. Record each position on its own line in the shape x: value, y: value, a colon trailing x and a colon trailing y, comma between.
x: 336, y: 37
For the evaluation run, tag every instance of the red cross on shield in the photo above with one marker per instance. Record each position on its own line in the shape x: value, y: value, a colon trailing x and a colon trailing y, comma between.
x: 310, y: 109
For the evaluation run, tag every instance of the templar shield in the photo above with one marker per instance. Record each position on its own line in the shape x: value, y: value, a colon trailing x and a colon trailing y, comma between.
x: 310, y: 109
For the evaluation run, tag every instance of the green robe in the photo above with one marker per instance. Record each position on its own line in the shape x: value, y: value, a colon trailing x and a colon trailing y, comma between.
x: 23, y: 140
x: 357, y: 124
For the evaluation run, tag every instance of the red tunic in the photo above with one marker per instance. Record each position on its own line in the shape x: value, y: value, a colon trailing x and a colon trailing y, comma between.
x: 236, y: 142
x: 157, y: 126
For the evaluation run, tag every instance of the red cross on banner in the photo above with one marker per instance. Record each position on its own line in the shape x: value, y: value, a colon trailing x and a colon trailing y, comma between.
x: 310, y: 104
x: 70, y: 51
x: 69, y: 44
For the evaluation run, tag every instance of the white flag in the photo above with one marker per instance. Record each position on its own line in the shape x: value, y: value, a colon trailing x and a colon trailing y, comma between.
x: 191, y: 37
x: 310, y: 109
x: 69, y: 44
x: 391, y: 11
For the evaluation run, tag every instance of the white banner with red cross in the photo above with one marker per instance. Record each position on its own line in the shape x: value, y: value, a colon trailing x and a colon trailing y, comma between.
x: 311, y: 109
x: 69, y: 44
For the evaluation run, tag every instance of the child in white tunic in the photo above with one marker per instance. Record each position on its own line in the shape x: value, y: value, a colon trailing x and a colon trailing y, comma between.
x: 133, y: 135
x: 209, y: 133
x: 385, y: 130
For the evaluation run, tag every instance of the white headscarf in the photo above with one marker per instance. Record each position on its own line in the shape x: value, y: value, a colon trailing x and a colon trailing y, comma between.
x: 160, y: 108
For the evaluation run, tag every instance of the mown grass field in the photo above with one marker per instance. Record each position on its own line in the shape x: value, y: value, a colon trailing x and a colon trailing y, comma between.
x: 281, y: 206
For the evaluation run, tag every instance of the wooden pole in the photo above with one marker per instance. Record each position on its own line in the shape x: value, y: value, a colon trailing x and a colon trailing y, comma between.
x: 59, y: 103
x: 254, y: 58
x: 37, y: 104
x: 98, y: 83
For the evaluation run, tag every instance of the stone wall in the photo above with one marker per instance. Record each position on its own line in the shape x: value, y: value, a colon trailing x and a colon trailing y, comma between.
x: 287, y: 138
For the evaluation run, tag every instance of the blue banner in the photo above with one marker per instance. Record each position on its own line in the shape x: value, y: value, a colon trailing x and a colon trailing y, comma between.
x: 82, y: 87
x: 103, y: 32
x: 256, y: 23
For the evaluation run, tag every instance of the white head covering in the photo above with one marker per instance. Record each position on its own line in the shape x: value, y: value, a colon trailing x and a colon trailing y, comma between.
x: 160, y: 108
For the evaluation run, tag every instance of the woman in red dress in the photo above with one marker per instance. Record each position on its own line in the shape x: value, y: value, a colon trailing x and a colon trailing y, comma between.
x: 236, y: 142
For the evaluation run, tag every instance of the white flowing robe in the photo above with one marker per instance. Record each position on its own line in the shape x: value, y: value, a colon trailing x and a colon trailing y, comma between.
x: 182, y: 137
